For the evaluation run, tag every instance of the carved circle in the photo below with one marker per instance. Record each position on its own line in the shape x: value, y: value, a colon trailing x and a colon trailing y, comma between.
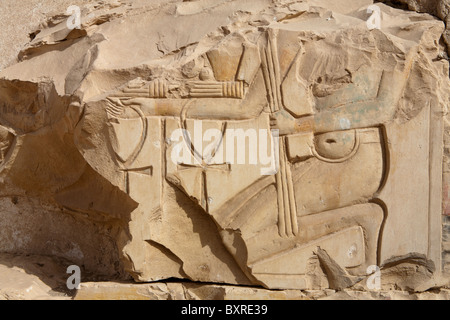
x: 336, y: 147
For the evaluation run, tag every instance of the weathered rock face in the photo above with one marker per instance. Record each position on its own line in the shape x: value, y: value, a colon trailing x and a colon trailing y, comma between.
x: 144, y: 143
x: 439, y: 8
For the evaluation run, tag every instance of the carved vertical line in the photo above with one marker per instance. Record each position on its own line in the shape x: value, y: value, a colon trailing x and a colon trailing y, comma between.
x: 152, y: 89
x: 166, y: 90
x: 224, y: 89
x: 267, y: 79
x: 288, y: 188
x: 386, y: 174
x: 284, y: 181
x: 293, y: 203
x: 127, y: 182
x: 205, y: 190
x: 276, y: 66
x: 383, y: 206
x: 435, y: 208
x: 157, y: 88
x: 281, y: 217
x: 283, y: 203
x: 272, y: 78
x: 287, y: 210
x: 163, y: 155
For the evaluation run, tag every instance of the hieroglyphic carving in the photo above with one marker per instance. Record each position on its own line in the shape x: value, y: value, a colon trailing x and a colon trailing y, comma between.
x: 162, y: 89
x: 355, y: 110
x: 326, y: 151
x: 287, y: 210
x: 330, y: 95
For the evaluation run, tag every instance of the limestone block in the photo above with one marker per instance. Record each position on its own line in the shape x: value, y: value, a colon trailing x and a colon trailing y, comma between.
x: 262, y: 143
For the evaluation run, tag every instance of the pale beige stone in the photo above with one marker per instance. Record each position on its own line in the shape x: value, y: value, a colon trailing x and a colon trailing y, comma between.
x: 87, y: 123
x: 190, y: 292
x: 32, y: 278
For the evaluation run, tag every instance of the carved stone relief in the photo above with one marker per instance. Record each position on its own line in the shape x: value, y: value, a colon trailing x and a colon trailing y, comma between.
x: 337, y: 111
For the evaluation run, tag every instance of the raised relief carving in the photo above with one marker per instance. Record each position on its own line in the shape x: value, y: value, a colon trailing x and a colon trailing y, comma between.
x: 252, y: 154
x: 329, y: 141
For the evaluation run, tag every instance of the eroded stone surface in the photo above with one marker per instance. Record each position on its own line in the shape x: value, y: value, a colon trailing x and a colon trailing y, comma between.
x: 191, y: 292
x: 441, y: 9
x: 28, y: 277
x: 88, y: 123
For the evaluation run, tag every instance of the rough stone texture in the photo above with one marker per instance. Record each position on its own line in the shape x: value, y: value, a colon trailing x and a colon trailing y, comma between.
x: 29, y: 277
x: 86, y: 123
x: 21, y: 19
x: 441, y: 9
x: 192, y: 292
x: 446, y: 244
